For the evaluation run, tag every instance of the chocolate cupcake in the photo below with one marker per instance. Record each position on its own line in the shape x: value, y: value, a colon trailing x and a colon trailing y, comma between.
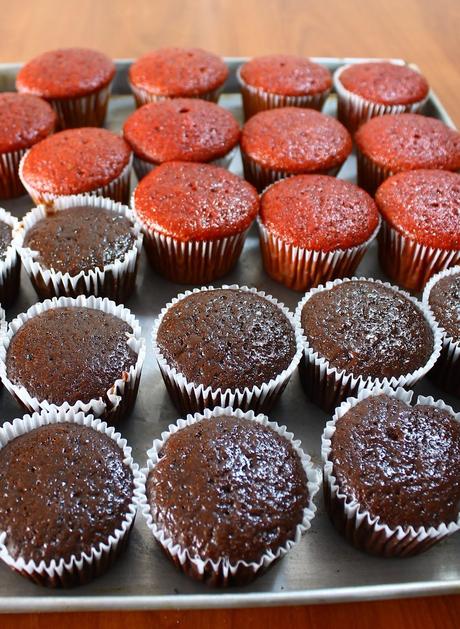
x: 225, y: 544
x: 282, y: 81
x: 75, y: 81
x: 314, y: 228
x: 243, y: 350
x: 26, y: 120
x: 181, y: 129
x: 420, y: 233
x: 391, y: 471
x: 81, y: 245
x: 377, y: 88
x: 94, y: 345
x: 86, y: 160
x: 392, y: 144
x: 291, y: 141
x: 359, y: 333
x: 176, y: 73
x: 10, y: 263
x: 64, y: 538
x: 195, y: 218
x: 442, y: 297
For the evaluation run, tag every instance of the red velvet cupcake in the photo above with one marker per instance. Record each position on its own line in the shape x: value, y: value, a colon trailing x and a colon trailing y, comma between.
x: 26, y: 120
x: 195, y: 219
x: 76, y: 81
x: 181, y: 129
x: 88, y: 160
x: 314, y: 228
x: 291, y: 141
x: 367, y: 90
x: 392, y: 144
x: 282, y: 81
x: 177, y: 72
x: 421, y: 228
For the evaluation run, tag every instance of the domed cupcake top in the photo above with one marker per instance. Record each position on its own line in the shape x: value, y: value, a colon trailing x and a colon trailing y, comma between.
x: 25, y: 120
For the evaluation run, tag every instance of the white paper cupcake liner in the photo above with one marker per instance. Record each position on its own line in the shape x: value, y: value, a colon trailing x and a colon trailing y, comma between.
x: 10, y: 184
x: 409, y: 263
x: 142, y: 167
x: 256, y: 99
x: 327, y: 386
x: 190, y: 397
x: 118, y: 189
x: 122, y: 394
x: 115, y: 281
x: 370, y: 175
x: 354, y: 110
x: 223, y: 572
x: 360, y: 528
x: 82, y: 111
x: 10, y: 265
x: 446, y: 372
x: 143, y: 96
x: 299, y: 268
x: 78, y: 569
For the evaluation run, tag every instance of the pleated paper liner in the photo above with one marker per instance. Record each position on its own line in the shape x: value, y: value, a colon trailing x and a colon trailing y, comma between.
x: 10, y: 265
x: 143, y: 96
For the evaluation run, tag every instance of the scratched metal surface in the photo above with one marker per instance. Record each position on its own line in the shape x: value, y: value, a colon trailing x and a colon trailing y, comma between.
x: 323, y: 567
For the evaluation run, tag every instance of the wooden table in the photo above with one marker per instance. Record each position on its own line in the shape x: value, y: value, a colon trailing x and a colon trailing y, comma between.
x: 423, y: 31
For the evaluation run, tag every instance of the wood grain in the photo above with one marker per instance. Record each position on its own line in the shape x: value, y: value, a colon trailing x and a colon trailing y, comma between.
x: 423, y: 31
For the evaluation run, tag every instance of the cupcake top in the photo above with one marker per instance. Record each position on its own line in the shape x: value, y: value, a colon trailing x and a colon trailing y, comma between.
x: 178, y: 72
x: 25, y: 120
x: 367, y: 329
x: 88, y: 349
x: 66, y: 73
x: 195, y: 201
x: 385, y: 83
x: 318, y: 212
x: 186, y: 129
x: 409, y: 142
x: 295, y: 139
x: 288, y: 75
x: 248, y: 479
x: 65, y: 490
x: 240, y: 339
x: 6, y: 236
x: 444, y: 301
x: 423, y: 205
x: 401, y: 463
x: 80, y: 239
x: 75, y: 160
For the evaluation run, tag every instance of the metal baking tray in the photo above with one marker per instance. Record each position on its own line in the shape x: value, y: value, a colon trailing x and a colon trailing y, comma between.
x: 323, y: 567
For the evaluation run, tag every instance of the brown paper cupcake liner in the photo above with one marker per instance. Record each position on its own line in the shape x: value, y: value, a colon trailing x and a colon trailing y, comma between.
x: 143, y: 96
x: 10, y: 184
x: 83, y: 111
x: 10, y: 265
x: 115, y: 281
x: 122, y: 394
x: 190, y: 397
x: 364, y: 531
x: 327, y: 386
x: 223, y: 573
x: 78, y: 569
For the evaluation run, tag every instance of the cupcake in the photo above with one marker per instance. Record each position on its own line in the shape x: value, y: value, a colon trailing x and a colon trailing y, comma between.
x: 255, y: 486
x: 177, y: 72
x: 282, y: 81
x: 420, y: 233
x: 391, y: 471
x: 67, y: 482
x: 442, y: 297
x: 392, y: 144
x: 90, y: 160
x: 81, y: 245
x: 292, y: 141
x: 367, y: 90
x: 230, y: 346
x: 195, y: 219
x: 75, y: 81
x: 10, y: 263
x: 26, y: 120
x: 361, y: 333
x: 314, y: 228
x: 94, y: 345
x: 181, y: 129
